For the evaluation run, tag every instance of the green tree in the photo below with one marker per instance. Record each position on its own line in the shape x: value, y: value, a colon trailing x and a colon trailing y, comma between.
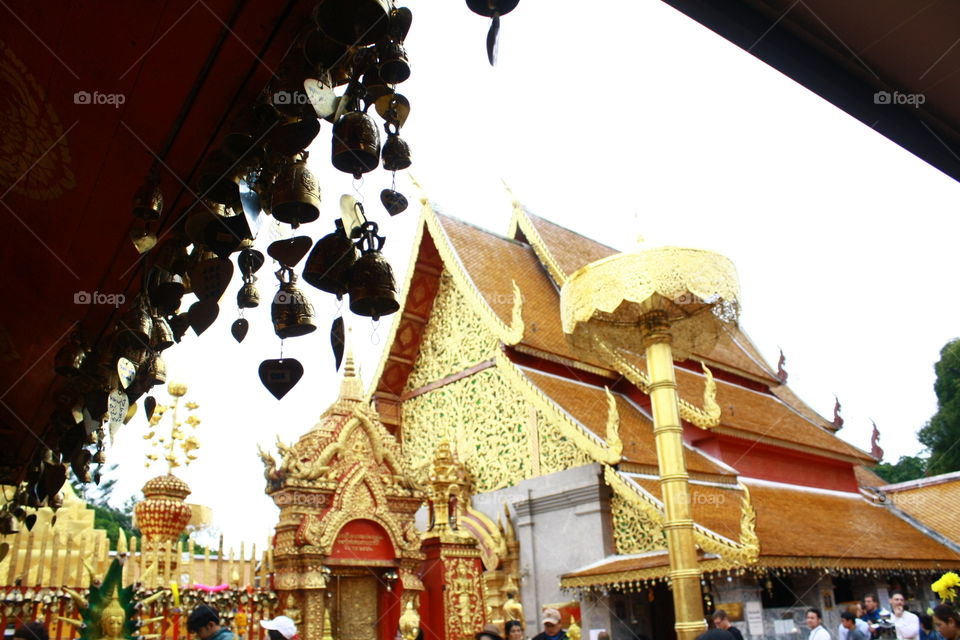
x: 906, y: 468
x: 941, y: 435
x: 106, y: 516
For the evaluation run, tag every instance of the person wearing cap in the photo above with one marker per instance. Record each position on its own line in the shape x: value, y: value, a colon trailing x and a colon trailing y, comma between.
x: 551, y: 626
x: 204, y: 621
x: 281, y: 628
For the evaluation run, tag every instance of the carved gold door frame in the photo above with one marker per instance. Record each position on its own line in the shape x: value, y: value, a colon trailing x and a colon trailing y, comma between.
x: 355, y: 607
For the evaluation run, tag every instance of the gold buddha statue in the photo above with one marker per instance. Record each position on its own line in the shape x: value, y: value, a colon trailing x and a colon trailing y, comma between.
x: 112, y: 620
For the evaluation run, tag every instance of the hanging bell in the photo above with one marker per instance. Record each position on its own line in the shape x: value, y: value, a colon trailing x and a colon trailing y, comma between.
x: 179, y: 324
x: 248, y: 297
x: 296, y: 194
x: 356, y: 144
x: 295, y: 133
x: 70, y: 357
x: 373, y: 290
x: 396, y: 151
x: 374, y: 86
x: 394, y: 66
x: 291, y: 311
x: 220, y: 180
x: 172, y: 255
x: 330, y: 261
x: 135, y: 326
x: 165, y: 291
x: 353, y: 22
x: 156, y: 371
x: 148, y: 200
x: 162, y: 336
x: 325, y: 54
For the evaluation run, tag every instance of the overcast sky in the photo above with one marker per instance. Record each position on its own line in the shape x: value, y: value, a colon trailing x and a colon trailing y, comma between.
x: 625, y: 121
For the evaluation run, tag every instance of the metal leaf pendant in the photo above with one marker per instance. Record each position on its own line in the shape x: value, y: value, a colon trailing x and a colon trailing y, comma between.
x: 492, y: 35
x: 279, y: 376
x: 337, y: 341
x: 290, y: 251
x: 239, y: 329
x: 149, y: 404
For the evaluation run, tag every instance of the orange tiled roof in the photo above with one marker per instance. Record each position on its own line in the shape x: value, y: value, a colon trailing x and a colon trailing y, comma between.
x: 933, y: 501
x: 713, y: 507
x: 762, y: 417
x: 807, y: 522
x: 588, y: 405
x: 867, y: 478
x: 569, y: 249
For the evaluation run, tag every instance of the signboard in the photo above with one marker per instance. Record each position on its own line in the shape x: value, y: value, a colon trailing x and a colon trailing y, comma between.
x: 360, y: 540
x: 754, y: 618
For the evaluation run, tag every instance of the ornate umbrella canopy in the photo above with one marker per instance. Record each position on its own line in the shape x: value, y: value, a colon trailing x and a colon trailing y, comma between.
x: 694, y: 290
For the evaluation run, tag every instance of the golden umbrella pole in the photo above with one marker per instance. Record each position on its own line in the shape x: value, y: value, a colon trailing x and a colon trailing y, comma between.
x: 668, y: 432
x: 675, y: 299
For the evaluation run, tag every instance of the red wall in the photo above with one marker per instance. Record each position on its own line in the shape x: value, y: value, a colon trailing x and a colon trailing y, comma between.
x: 769, y: 462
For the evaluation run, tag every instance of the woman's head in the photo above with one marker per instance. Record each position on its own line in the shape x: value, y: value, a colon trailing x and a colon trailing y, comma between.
x: 947, y: 621
x: 514, y: 630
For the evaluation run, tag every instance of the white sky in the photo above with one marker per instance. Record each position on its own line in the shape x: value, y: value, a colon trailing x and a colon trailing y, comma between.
x: 625, y: 121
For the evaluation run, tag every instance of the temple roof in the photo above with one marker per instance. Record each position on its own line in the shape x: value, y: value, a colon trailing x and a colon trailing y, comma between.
x: 933, y: 501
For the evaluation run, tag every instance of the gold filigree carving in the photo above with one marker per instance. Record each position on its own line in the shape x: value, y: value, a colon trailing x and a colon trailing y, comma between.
x: 454, y: 339
x: 463, y: 598
x: 508, y: 334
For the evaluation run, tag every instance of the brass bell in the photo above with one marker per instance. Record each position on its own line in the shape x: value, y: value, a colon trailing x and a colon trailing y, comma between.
x: 353, y: 22
x: 172, y: 256
x: 165, y: 290
x: 394, y: 66
x: 70, y: 357
x: 291, y: 311
x: 374, y: 86
x: 162, y: 336
x: 220, y: 180
x: 356, y: 144
x: 148, y: 200
x: 156, y: 371
x: 396, y: 152
x: 330, y: 261
x: 296, y: 194
x: 373, y: 290
x: 136, y: 326
x: 248, y: 297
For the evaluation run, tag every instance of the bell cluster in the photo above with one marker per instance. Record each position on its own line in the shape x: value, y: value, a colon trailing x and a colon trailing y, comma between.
x: 345, y: 69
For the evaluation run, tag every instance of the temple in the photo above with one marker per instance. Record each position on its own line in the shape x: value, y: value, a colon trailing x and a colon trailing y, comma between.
x: 478, y: 358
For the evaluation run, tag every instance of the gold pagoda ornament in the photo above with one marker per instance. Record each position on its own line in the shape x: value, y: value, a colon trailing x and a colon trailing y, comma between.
x: 162, y: 516
x: 674, y: 300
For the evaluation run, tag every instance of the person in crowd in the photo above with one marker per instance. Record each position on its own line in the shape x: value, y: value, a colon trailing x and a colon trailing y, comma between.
x: 715, y: 634
x: 204, y: 621
x: 873, y: 614
x: 927, y: 632
x: 947, y: 621
x: 490, y: 632
x: 603, y: 635
x: 551, y: 626
x: 281, y: 628
x: 514, y: 630
x: 857, y: 611
x: 815, y: 624
x: 849, y: 629
x: 32, y: 631
x: 722, y: 621
x: 906, y: 623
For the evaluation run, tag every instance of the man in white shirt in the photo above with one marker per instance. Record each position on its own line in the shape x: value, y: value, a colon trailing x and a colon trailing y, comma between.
x: 815, y: 624
x: 907, y: 624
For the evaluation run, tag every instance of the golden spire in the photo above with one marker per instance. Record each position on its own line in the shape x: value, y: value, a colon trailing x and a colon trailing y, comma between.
x: 351, y: 386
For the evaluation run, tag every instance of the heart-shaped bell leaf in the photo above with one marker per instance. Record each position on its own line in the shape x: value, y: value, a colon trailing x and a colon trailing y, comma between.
x: 4, y: 549
x: 336, y: 341
x: 279, y: 376
x: 29, y: 521
x: 126, y: 370
x: 239, y: 329
x: 117, y: 405
x: 210, y: 278
x: 224, y: 234
x: 249, y: 261
x: 393, y: 201
x: 203, y: 313
x: 149, y: 405
x: 290, y: 251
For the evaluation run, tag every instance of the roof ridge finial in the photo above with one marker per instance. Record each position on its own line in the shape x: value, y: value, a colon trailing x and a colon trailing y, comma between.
x: 349, y: 365
x: 351, y: 385
x: 423, y: 192
x: 513, y: 197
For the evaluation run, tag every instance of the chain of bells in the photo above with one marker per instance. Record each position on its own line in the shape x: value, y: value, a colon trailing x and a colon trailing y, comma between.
x: 357, y: 45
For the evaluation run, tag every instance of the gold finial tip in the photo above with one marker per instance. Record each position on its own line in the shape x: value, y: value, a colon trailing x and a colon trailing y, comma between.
x: 177, y: 389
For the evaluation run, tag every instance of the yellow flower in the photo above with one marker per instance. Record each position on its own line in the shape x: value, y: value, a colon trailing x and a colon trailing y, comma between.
x: 946, y: 586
